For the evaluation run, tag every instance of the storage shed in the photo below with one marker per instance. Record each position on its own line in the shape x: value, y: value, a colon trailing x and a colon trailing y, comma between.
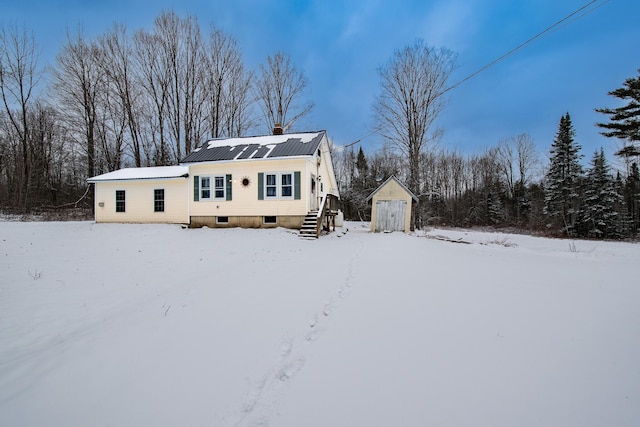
x: 391, y: 206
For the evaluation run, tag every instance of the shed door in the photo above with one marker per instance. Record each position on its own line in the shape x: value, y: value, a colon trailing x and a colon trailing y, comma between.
x: 390, y: 215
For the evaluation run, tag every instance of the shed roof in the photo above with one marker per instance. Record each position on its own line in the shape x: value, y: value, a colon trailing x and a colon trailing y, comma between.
x: 392, y: 177
x: 157, y: 172
x: 257, y: 147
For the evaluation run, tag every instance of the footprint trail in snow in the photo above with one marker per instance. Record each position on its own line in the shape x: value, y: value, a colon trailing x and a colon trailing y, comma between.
x: 262, y: 400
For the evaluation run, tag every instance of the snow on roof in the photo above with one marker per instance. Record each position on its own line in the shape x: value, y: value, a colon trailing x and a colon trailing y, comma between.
x: 157, y: 172
x: 262, y: 140
x: 257, y: 147
x: 394, y: 178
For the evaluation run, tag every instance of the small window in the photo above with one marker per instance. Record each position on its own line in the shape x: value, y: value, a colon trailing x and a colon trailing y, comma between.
x: 219, y: 187
x: 158, y: 200
x: 270, y: 220
x: 205, y: 187
x: 271, y: 185
x: 222, y: 219
x: 120, y: 203
x: 287, y: 185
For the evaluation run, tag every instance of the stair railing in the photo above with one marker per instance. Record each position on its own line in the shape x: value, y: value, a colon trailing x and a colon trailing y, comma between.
x: 321, y: 215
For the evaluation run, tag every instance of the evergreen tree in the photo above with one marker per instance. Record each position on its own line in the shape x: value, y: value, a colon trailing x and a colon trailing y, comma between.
x: 562, y: 198
x: 624, y: 224
x: 624, y: 122
x: 358, y: 187
x: 632, y: 198
x: 362, y: 168
x: 600, y: 215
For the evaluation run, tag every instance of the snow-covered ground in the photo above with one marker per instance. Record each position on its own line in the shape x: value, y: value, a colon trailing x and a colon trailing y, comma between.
x: 131, y: 325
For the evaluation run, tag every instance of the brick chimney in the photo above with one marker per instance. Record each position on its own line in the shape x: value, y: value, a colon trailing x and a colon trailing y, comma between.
x: 277, y: 129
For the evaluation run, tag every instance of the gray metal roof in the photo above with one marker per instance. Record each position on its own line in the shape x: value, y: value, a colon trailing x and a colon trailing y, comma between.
x: 256, y: 147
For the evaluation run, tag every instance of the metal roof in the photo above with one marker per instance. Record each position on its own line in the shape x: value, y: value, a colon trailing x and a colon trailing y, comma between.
x: 257, y: 147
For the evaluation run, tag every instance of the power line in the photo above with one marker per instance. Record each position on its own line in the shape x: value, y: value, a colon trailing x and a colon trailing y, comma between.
x: 530, y: 40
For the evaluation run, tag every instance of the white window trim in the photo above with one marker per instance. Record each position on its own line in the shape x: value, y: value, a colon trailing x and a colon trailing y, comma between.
x: 293, y: 185
x: 214, y: 188
x: 266, y: 185
x: 279, y: 186
x: 210, y: 188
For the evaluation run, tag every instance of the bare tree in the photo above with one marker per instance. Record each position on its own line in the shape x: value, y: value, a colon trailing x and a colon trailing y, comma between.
x: 239, y: 118
x: 528, y: 158
x: 223, y: 61
x: 228, y: 87
x: 413, y: 84
x: 516, y: 159
x: 116, y: 63
x: 19, y: 75
x: 505, y: 162
x: 280, y: 87
x: 155, y: 78
x: 78, y: 82
x: 182, y: 54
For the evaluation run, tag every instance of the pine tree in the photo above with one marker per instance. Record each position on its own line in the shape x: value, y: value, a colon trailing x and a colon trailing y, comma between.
x: 624, y: 122
x: 562, y: 198
x: 363, y: 170
x: 632, y: 198
x: 600, y: 212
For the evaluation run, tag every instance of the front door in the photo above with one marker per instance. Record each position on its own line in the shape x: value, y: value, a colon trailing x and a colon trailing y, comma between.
x: 314, y: 194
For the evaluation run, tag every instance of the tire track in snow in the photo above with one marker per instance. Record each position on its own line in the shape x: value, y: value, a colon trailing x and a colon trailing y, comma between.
x: 262, y: 400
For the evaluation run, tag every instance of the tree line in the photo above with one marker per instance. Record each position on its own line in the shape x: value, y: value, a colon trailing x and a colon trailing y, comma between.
x: 499, y: 187
x: 149, y: 97
x: 142, y: 98
x: 505, y: 186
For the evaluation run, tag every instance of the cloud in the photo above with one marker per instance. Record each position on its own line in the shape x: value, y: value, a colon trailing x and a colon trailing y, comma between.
x: 358, y: 20
x: 450, y: 24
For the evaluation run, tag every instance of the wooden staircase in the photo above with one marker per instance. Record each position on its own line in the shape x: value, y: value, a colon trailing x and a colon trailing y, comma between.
x: 309, y: 229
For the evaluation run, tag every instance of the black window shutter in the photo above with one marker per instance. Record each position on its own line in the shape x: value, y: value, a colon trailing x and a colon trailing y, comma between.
x: 228, y: 179
x: 260, y: 186
x: 196, y: 188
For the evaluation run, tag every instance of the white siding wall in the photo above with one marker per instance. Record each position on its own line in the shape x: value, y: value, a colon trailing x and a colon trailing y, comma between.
x: 139, y: 201
x: 244, y: 200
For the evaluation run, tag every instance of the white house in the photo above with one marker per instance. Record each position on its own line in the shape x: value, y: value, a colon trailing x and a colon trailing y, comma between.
x: 260, y: 181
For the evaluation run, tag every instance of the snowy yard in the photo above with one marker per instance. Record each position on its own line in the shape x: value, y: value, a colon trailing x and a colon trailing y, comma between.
x: 130, y: 325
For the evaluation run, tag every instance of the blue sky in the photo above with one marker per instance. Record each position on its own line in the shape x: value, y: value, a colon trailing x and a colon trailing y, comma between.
x: 341, y: 44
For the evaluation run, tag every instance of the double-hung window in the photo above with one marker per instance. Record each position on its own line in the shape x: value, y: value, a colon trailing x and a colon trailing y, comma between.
x: 120, y: 201
x: 158, y: 200
x: 212, y: 187
x: 279, y: 185
x: 205, y: 187
x: 271, y: 185
x: 219, y: 187
x: 286, y: 185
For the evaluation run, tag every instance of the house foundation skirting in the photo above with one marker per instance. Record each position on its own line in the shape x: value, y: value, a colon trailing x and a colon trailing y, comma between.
x: 286, y: 221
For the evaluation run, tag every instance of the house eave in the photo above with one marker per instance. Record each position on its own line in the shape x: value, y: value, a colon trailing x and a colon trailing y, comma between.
x: 94, y: 181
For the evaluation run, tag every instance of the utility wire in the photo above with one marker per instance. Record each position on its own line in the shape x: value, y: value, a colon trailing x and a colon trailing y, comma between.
x: 530, y: 40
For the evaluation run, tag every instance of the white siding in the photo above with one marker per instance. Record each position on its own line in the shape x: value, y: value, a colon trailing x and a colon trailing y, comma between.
x: 139, y: 201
